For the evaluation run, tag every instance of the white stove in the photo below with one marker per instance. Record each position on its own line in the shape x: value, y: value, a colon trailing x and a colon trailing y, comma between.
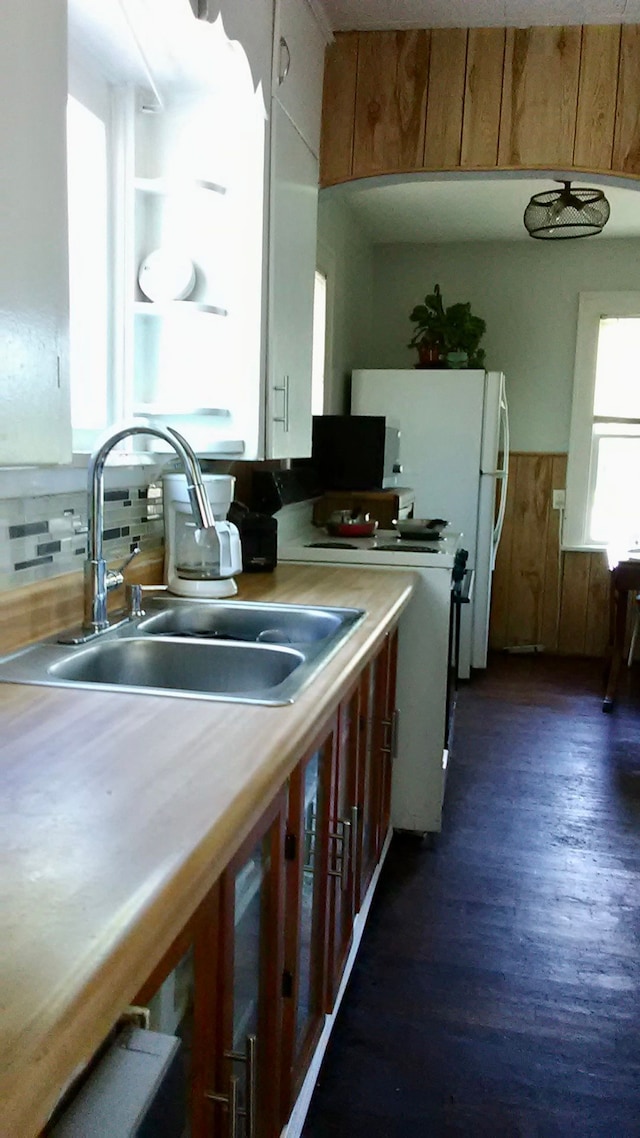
x: 424, y: 651
x: 311, y: 543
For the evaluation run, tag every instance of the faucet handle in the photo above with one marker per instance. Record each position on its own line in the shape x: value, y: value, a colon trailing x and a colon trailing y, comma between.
x: 127, y: 561
x: 115, y: 577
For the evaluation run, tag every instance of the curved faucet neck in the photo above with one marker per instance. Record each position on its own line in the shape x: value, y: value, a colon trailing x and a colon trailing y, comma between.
x: 96, y: 593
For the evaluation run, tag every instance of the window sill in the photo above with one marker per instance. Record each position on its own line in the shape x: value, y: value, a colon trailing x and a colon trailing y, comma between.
x: 584, y: 548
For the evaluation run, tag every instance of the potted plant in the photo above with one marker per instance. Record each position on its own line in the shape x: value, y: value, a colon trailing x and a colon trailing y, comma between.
x: 447, y: 337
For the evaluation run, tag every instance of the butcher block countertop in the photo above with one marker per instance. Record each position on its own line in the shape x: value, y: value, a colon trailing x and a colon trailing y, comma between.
x: 119, y: 813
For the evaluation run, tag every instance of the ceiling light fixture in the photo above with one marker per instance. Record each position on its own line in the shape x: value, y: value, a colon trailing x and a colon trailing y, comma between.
x: 558, y: 214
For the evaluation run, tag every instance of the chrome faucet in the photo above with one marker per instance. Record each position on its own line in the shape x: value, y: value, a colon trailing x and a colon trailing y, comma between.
x: 98, y: 579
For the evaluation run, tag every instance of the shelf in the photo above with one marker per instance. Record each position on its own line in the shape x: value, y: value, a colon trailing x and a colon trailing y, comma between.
x: 157, y: 410
x: 171, y: 307
x: 164, y: 186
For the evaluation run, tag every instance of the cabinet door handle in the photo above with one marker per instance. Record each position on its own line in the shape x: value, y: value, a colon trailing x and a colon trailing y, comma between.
x: 342, y: 837
x: 395, y: 727
x: 247, y: 1056
x: 284, y: 388
x: 386, y: 747
x: 231, y: 1102
x: 355, y: 823
x: 252, y: 1077
x: 283, y: 68
x: 391, y: 747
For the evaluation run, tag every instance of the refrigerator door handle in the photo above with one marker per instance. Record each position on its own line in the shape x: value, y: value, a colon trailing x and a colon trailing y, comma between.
x: 504, y: 426
x: 503, y: 476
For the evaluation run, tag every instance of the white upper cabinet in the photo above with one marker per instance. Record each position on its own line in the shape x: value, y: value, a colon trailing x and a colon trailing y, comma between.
x: 298, y: 67
x: 34, y: 392
x: 250, y: 22
x: 292, y: 260
x: 296, y: 105
x: 226, y: 356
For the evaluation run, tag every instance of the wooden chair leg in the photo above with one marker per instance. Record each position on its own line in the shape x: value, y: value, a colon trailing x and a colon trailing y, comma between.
x: 634, y: 634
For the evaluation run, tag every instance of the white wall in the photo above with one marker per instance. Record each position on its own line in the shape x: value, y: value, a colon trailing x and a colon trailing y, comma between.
x: 528, y: 294
x: 346, y: 255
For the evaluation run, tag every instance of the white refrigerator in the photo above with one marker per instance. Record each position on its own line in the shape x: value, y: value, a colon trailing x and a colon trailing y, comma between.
x: 454, y: 449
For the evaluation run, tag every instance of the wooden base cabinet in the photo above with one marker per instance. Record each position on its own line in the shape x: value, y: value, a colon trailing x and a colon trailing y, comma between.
x: 238, y: 983
x: 343, y: 831
x: 376, y: 747
x: 338, y: 820
x: 260, y: 965
x: 387, y: 722
x: 306, y: 928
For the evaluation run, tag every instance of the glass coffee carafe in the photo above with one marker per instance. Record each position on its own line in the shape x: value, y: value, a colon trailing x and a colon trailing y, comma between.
x: 197, y: 550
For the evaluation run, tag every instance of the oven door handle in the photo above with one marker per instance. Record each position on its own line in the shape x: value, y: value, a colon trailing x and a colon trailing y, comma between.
x: 462, y: 590
x: 461, y: 594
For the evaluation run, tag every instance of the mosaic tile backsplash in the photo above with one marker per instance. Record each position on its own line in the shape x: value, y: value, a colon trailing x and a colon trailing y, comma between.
x: 46, y: 536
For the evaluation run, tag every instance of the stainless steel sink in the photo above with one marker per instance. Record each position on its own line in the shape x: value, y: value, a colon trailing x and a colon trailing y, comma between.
x: 270, y: 624
x: 192, y: 666
x: 197, y: 650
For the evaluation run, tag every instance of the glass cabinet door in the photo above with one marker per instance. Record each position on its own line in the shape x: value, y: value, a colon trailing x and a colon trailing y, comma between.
x: 378, y: 727
x: 386, y: 702
x: 306, y: 923
x: 246, y: 959
x: 344, y: 822
x: 368, y: 782
x: 310, y: 917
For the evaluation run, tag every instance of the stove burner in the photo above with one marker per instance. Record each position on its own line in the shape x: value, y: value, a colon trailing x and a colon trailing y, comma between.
x: 331, y: 545
x: 405, y: 547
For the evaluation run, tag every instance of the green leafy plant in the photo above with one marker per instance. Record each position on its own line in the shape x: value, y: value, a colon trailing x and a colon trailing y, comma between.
x: 454, y: 330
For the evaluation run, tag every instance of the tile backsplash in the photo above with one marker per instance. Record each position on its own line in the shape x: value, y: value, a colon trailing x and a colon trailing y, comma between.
x: 45, y: 536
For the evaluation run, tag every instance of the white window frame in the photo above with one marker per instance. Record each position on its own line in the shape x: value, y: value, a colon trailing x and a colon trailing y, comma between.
x: 581, y: 468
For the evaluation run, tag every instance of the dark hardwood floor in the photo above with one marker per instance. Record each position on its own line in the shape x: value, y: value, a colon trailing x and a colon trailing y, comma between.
x: 497, y: 990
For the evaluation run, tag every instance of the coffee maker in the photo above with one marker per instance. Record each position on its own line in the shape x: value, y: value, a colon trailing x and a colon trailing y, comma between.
x: 199, y: 563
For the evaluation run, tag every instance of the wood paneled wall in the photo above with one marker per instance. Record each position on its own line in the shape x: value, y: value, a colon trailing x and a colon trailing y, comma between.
x: 540, y: 597
x: 482, y: 98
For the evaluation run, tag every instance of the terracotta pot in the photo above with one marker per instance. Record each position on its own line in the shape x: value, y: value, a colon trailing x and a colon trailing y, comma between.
x: 429, y: 355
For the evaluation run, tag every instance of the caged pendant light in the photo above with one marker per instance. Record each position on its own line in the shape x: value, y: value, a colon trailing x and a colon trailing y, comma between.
x: 558, y: 214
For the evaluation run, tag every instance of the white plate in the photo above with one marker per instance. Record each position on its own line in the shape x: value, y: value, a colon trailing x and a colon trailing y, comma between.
x: 167, y: 274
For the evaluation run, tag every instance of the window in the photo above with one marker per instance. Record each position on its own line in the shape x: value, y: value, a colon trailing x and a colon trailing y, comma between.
x: 603, y: 506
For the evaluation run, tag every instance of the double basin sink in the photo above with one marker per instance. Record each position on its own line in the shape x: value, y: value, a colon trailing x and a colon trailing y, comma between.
x: 237, y: 651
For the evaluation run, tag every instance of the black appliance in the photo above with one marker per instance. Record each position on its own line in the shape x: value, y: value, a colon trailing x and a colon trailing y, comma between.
x: 461, y: 588
x: 273, y: 489
x: 355, y: 452
x: 258, y: 538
